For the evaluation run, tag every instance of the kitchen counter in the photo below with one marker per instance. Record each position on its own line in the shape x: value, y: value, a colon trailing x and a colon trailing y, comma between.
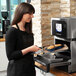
x: 2, y: 39
x: 56, y: 72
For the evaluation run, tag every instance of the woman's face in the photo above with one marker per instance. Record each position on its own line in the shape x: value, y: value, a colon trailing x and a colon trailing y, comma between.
x: 27, y: 17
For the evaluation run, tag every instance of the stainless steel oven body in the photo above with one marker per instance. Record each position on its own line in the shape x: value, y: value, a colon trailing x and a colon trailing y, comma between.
x: 64, y: 27
x: 64, y: 31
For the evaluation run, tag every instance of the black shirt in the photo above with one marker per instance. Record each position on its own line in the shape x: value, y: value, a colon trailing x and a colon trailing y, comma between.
x: 16, y: 40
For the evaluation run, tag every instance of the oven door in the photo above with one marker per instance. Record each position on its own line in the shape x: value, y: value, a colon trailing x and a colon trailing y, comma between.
x: 46, y: 64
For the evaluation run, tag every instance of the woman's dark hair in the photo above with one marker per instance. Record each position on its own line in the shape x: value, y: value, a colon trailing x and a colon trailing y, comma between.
x: 23, y: 8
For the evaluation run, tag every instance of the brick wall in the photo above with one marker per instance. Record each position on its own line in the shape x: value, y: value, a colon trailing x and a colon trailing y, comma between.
x: 45, y: 10
x: 73, y: 8
x: 65, y: 8
x: 49, y: 9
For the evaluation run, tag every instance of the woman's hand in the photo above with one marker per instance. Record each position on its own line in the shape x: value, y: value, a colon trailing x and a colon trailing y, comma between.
x: 32, y: 48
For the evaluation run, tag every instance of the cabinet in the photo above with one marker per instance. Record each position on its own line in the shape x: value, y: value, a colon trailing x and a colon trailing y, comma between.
x: 3, y: 58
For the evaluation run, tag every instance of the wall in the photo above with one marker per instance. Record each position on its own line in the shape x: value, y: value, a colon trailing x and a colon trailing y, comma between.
x: 49, y: 9
x: 73, y: 8
x: 37, y: 22
x: 65, y: 8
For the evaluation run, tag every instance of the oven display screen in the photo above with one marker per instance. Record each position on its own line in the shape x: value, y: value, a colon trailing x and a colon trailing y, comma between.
x: 58, y: 27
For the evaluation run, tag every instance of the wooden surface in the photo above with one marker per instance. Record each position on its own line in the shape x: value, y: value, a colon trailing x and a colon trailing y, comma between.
x: 61, y: 73
x: 2, y: 39
x: 57, y: 72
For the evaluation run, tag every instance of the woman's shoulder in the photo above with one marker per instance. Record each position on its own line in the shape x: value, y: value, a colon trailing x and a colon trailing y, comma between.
x: 11, y: 30
x: 11, y: 33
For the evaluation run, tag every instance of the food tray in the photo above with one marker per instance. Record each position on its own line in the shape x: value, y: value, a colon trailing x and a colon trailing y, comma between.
x: 56, y: 48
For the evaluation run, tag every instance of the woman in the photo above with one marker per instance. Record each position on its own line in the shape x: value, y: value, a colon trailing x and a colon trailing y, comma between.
x: 19, y: 43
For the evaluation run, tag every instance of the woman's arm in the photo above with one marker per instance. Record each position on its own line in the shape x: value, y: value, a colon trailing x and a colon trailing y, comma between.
x: 33, y: 48
x: 11, y: 52
x: 11, y: 39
